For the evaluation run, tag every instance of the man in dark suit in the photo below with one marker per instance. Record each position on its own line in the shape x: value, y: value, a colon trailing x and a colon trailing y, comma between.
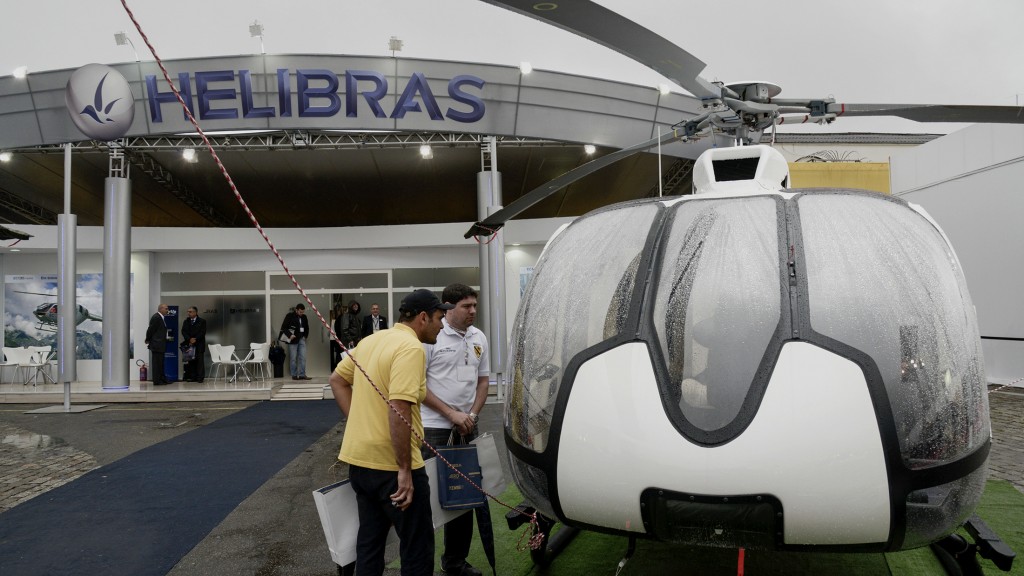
x: 193, y: 333
x: 374, y: 322
x: 156, y: 340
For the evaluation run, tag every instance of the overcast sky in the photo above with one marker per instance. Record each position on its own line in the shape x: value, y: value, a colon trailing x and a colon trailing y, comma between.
x: 870, y: 51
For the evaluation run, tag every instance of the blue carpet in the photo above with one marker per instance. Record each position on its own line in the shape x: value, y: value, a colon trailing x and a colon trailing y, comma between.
x: 140, y: 515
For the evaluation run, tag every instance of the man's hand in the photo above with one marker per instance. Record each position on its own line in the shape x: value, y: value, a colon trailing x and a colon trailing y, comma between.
x: 402, y: 498
x: 462, y: 421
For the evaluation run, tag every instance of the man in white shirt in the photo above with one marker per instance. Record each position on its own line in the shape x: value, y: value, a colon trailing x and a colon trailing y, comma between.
x: 458, y: 370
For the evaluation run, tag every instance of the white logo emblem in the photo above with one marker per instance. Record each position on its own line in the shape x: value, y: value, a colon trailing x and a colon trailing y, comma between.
x: 100, y: 102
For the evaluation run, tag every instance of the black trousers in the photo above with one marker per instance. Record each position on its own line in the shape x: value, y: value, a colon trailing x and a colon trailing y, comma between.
x: 196, y: 369
x: 458, y: 533
x: 414, y: 526
x: 156, y: 361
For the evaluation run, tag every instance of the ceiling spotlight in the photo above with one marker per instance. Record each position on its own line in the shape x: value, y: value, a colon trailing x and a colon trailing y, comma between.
x: 664, y: 89
x: 395, y: 45
x: 122, y: 39
x: 525, y: 67
x: 5, y: 156
x: 189, y: 154
x: 256, y: 29
x: 426, y: 151
x: 20, y: 72
x: 589, y: 149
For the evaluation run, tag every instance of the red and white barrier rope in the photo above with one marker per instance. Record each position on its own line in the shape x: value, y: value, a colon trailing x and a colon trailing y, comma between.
x: 534, y: 541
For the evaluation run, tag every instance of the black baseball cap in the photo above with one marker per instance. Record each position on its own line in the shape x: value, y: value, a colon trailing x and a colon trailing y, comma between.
x: 423, y: 300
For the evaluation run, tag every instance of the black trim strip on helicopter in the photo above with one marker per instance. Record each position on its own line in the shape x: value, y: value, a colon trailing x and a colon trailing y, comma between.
x: 1006, y: 338
x: 766, y: 365
x: 902, y: 480
x: 547, y: 459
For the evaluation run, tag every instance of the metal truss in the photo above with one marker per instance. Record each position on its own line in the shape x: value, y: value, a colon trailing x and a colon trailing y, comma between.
x: 303, y: 140
x: 165, y: 178
x: 676, y: 174
x: 32, y: 212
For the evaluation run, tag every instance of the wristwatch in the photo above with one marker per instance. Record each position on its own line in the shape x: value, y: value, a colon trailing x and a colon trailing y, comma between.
x: 475, y: 417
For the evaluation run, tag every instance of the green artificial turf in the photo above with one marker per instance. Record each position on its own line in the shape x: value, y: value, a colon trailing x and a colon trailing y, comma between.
x: 590, y: 553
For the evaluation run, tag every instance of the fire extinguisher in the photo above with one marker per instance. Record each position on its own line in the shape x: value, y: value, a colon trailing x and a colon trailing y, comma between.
x: 143, y: 370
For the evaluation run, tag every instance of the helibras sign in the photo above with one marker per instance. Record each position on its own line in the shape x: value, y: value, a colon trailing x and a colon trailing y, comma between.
x: 318, y: 93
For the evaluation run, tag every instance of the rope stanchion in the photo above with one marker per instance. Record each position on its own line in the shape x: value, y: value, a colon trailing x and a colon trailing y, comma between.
x: 295, y: 282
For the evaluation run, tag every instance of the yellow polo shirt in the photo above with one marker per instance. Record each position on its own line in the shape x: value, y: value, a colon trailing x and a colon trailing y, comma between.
x: 396, y: 362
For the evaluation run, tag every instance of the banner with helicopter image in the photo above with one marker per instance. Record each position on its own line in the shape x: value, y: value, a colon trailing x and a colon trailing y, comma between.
x: 31, y: 312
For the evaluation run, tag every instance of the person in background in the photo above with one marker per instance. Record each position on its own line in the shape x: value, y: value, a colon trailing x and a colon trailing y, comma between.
x: 296, y: 329
x: 351, y: 325
x: 193, y: 333
x: 374, y: 322
x: 156, y: 341
x: 385, y: 465
x: 339, y: 310
x: 458, y: 371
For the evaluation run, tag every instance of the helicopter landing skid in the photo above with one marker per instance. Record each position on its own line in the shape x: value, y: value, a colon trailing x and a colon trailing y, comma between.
x: 552, y: 545
x: 960, y: 558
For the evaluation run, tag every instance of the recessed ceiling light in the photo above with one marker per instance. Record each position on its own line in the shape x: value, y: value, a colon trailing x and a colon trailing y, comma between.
x: 6, y: 156
x: 525, y: 67
x: 21, y: 72
x: 589, y: 149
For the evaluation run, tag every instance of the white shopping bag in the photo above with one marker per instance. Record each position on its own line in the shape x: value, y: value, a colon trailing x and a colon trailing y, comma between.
x: 339, y: 514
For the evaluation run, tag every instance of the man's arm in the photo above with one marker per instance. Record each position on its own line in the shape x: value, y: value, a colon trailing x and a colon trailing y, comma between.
x: 462, y: 421
x: 482, y: 385
x: 342, y: 390
x: 401, y: 437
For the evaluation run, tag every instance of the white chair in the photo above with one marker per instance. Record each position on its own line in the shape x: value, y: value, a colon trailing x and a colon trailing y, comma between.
x: 224, y: 356
x: 44, y: 356
x: 10, y: 360
x: 26, y: 360
x: 213, y: 350
x: 257, y: 359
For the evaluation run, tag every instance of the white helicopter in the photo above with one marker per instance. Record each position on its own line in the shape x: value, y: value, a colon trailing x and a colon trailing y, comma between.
x: 750, y: 366
x: 47, y: 315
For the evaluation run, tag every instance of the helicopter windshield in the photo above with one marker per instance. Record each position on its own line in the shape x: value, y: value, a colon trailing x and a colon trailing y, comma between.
x: 909, y: 310
x: 717, y: 304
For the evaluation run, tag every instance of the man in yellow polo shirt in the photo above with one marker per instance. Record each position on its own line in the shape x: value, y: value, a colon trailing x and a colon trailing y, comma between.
x: 385, y: 465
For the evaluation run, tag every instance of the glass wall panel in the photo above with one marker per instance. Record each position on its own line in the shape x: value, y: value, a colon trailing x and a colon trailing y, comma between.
x: 318, y: 348
x: 339, y: 281
x: 230, y: 320
x: 439, y: 277
x: 211, y: 281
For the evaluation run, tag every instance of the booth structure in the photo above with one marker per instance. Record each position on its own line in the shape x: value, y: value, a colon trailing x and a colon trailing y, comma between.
x: 966, y: 180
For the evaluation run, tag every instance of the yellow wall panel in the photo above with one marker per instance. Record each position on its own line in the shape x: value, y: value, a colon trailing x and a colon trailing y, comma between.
x: 863, y: 175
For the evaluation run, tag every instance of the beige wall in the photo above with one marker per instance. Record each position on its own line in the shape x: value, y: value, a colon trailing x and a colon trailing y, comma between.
x: 862, y: 175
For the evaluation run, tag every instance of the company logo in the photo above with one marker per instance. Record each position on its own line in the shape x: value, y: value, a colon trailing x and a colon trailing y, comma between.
x: 316, y: 93
x: 100, y: 102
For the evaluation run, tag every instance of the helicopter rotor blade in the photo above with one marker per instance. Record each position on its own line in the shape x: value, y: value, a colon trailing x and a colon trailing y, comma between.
x: 611, y: 30
x: 495, y: 221
x: 934, y: 112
